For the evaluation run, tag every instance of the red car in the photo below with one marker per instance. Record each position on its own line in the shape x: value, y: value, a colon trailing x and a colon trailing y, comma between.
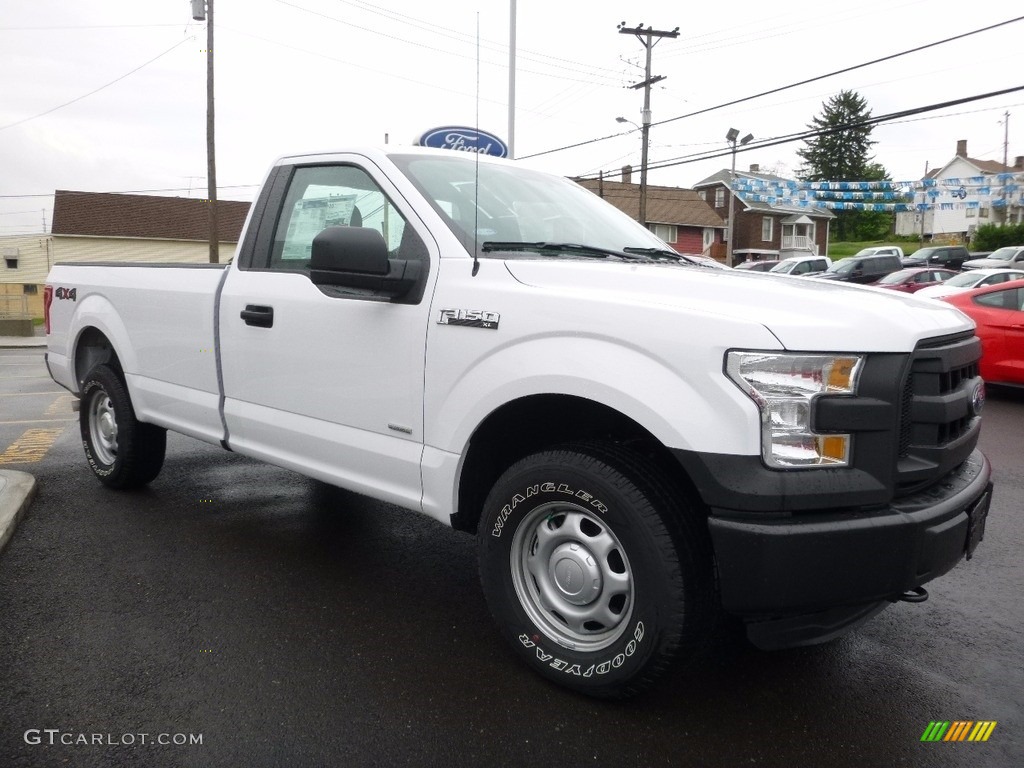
x: 998, y: 311
x: 914, y: 279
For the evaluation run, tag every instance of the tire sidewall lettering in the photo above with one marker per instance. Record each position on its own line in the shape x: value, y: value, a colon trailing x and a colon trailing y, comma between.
x: 579, y: 669
x: 587, y: 498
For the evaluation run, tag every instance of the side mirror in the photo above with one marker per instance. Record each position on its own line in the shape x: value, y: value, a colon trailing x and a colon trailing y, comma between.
x: 357, y: 257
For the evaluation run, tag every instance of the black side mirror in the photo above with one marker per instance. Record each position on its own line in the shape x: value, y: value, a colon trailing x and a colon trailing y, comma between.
x: 357, y: 257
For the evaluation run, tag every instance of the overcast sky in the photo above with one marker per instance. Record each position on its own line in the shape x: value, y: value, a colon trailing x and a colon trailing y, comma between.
x: 110, y: 96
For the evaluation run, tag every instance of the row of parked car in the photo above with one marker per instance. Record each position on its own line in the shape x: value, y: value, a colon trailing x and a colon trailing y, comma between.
x: 987, y: 287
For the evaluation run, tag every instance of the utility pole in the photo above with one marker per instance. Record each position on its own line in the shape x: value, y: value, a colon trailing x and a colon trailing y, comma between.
x: 200, y: 14
x: 512, y: 80
x: 648, y: 38
x: 1005, y: 216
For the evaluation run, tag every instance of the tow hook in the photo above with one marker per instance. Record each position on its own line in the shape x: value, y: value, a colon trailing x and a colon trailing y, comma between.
x: 915, y: 595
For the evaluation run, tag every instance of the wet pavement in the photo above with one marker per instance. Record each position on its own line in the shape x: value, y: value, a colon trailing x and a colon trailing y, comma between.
x: 287, y: 623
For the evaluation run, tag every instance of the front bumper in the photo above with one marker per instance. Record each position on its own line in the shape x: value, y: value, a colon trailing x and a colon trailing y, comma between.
x: 844, y: 563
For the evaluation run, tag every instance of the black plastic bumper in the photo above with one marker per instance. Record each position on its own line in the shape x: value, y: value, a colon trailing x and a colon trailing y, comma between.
x: 838, y: 564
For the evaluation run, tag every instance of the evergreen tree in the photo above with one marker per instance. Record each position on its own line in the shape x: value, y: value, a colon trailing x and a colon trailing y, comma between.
x: 840, y: 151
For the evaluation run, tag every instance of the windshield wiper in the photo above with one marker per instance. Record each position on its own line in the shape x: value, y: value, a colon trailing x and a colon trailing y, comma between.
x: 667, y: 253
x: 576, y: 249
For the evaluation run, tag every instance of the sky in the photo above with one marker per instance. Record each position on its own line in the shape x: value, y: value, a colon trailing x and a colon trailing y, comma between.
x: 111, y: 96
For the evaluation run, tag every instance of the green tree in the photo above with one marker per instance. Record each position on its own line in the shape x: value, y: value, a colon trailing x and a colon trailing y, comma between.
x: 840, y: 150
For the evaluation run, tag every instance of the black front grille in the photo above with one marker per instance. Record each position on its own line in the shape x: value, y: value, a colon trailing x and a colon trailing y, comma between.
x: 938, y: 423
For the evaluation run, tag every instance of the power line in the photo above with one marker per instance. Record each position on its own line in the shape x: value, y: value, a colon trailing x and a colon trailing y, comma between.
x: 97, y: 90
x: 786, y: 87
x: 789, y: 138
x: 135, y: 191
x: 590, y: 72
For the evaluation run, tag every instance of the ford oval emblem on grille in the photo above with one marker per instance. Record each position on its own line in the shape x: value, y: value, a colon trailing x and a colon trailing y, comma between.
x: 978, y: 399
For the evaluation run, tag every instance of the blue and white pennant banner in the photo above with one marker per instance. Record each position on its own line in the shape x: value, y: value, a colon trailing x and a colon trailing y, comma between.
x: 966, y: 193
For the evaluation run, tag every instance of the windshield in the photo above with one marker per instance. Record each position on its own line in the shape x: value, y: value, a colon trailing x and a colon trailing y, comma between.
x: 843, y: 266
x: 923, y: 253
x: 1003, y: 254
x: 783, y: 267
x: 505, y: 205
x: 897, y: 277
x: 964, y: 280
x: 866, y: 252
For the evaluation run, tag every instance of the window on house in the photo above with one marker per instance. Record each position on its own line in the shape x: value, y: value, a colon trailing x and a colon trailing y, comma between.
x: 11, y: 263
x: 666, y: 232
x: 971, y: 213
x: 31, y: 290
x: 703, y: 195
x: 767, y: 224
x: 720, y: 197
x: 983, y: 213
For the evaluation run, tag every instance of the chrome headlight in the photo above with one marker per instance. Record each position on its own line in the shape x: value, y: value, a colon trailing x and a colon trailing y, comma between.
x: 784, y: 385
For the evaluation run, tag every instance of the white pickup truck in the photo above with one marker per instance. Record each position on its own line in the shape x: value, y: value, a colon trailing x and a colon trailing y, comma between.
x: 639, y: 443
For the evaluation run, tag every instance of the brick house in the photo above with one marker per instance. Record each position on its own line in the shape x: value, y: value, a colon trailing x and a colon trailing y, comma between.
x: 678, y: 216
x: 765, y: 230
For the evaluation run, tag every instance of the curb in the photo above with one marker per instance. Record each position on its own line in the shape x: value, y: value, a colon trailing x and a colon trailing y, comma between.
x: 17, y: 490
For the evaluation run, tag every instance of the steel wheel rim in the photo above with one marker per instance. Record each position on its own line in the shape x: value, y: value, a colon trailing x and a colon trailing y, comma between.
x: 572, y: 576
x: 103, y: 427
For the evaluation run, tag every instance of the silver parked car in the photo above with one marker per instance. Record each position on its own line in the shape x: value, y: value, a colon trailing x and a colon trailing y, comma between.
x: 1010, y: 257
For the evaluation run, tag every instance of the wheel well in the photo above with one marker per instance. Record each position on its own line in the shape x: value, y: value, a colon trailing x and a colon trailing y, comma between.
x: 535, y: 423
x: 93, y: 349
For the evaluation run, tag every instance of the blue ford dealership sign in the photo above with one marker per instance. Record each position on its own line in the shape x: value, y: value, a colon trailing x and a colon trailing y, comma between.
x: 464, y: 139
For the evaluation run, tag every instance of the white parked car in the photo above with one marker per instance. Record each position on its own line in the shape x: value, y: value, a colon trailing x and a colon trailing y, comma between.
x: 801, y: 265
x: 965, y: 281
x: 881, y: 250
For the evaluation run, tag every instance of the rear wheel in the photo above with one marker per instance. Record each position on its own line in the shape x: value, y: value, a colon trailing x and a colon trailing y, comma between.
x: 594, y: 567
x: 122, y: 451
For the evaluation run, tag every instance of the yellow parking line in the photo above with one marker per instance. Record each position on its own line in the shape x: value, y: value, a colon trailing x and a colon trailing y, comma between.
x: 31, y: 446
x: 61, y: 405
x: 32, y: 394
x: 37, y: 421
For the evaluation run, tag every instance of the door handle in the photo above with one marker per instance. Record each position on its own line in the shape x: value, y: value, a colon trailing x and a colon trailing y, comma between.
x: 259, y: 316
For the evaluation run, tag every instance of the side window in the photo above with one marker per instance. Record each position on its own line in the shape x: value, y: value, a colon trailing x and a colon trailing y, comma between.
x: 332, y: 196
x: 998, y: 299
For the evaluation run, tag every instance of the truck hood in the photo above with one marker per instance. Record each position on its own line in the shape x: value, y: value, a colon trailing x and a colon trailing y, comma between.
x: 802, y: 313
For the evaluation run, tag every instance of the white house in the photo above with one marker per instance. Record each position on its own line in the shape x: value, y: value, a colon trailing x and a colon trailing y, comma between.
x: 966, y: 194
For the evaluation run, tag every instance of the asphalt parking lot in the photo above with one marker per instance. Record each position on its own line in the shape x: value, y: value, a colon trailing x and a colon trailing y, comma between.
x: 283, y: 622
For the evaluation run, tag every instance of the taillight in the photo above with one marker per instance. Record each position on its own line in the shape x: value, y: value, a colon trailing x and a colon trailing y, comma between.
x: 47, y: 301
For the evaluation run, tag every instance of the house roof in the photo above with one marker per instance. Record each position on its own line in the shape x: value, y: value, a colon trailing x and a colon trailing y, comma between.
x: 665, y: 205
x: 722, y: 178
x: 985, y: 167
x: 104, y: 214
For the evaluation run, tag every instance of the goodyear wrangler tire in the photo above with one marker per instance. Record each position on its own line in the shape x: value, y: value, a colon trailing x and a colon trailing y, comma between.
x: 122, y: 451
x: 595, y: 569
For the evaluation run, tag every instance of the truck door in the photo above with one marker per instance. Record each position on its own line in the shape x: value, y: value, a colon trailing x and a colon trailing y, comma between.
x: 327, y: 384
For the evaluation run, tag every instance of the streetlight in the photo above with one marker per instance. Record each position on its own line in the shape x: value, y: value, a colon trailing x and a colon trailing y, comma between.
x: 731, y: 137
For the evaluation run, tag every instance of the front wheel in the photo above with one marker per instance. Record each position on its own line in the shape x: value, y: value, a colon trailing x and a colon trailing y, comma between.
x: 122, y: 451
x: 596, y: 570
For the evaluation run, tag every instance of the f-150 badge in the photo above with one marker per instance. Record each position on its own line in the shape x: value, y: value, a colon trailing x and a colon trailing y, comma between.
x: 473, y: 318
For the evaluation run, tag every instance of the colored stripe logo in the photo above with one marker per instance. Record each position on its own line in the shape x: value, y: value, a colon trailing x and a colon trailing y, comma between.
x: 958, y: 730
